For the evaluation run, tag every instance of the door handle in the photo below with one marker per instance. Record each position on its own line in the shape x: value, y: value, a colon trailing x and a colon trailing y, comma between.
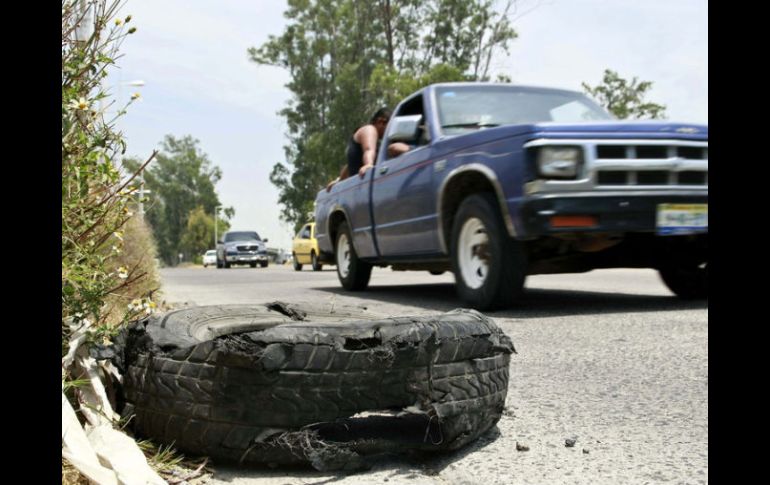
x: 383, y: 170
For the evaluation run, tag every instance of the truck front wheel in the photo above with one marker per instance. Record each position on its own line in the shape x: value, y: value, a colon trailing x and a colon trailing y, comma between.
x: 353, y: 273
x: 489, y: 266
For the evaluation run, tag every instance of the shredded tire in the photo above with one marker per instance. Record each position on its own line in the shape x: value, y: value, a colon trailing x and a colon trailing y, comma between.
x: 300, y: 384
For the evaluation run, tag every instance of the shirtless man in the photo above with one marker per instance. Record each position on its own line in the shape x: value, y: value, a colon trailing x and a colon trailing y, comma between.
x: 362, y: 146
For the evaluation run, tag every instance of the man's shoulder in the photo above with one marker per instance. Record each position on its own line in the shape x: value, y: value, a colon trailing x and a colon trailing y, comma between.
x: 365, y: 130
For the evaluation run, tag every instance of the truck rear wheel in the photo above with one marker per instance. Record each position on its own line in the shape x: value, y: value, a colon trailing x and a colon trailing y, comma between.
x: 489, y: 266
x: 353, y: 273
x: 687, y: 281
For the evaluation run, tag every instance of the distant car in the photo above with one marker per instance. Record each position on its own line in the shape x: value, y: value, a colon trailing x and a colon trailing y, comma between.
x: 210, y: 257
x: 241, y: 247
x: 282, y: 257
x: 304, y: 248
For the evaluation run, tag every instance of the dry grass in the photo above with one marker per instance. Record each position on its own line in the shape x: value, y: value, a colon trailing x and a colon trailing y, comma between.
x: 139, y: 254
x: 173, y: 466
x: 70, y: 475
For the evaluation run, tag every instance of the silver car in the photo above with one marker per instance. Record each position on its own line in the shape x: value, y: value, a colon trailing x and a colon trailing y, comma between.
x: 241, y: 247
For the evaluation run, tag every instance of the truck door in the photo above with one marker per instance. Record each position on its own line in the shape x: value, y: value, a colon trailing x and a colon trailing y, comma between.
x: 403, y: 204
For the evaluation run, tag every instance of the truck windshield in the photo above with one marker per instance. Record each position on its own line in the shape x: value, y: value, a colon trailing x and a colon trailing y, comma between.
x: 465, y: 108
x: 241, y: 236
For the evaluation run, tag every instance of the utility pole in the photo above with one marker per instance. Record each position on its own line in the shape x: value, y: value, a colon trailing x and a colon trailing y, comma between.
x: 141, y: 193
x: 216, y: 216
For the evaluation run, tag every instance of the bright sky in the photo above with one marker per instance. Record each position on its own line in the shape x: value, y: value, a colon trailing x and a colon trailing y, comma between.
x: 191, y: 54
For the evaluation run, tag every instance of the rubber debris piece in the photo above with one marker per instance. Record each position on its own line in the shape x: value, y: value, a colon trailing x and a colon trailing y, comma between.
x: 295, y: 384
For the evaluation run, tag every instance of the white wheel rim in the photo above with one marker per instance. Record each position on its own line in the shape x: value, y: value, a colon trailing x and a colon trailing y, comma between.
x: 343, y: 256
x: 473, y: 255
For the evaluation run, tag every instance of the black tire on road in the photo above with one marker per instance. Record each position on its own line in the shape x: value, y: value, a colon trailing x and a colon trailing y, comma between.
x: 353, y: 273
x: 263, y: 264
x: 297, y: 266
x: 219, y: 264
x: 688, y: 281
x: 248, y: 384
x: 489, y: 266
x: 253, y: 265
x: 317, y: 266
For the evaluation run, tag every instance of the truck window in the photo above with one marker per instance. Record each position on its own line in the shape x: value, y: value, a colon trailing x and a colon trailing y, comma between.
x: 415, y: 107
x: 469, y: 108
x: 241, y: 236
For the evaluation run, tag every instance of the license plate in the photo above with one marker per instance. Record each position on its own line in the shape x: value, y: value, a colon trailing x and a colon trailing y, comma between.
x: 675, y: 219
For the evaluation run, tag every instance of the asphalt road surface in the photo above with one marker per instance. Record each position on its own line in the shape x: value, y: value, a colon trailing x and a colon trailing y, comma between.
x: 610, y: 357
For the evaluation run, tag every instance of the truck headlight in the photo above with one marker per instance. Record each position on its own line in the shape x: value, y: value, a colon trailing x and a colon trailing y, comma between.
x: 559, y: 162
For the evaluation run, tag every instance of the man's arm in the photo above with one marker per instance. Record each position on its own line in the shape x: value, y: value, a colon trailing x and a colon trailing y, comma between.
x: 368, y: 140
x: 343, y: 175
x: 397, y: 148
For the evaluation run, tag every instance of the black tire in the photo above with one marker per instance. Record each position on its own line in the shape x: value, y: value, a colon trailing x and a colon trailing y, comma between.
x: 353, y: 273
x: 687, y: 281
x: 297, y: 266
x: 496, y: 279
x: 436, y: 273
x: 205, y: 265
x: 220, y: 265
x: 226, y: 264
x: 253, y: 265
x: 244, y: 383
x: 317, y: 266
x: 263, y: 264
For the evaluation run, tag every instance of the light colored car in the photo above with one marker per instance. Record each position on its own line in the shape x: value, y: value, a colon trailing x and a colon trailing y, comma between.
x: 209, y: 257
x: 241, y: 247
x: 304, y: 248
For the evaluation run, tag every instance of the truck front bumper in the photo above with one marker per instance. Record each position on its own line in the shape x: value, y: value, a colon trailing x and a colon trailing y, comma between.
x: 248, y: 258
x: 595, y: 212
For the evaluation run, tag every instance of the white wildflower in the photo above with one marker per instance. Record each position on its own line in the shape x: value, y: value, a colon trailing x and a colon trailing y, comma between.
x: 135, y: 304
x: 81, y: 104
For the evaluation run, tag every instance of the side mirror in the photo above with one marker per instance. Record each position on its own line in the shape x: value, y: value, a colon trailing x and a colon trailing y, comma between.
x: 404, y: 128
x: 264, y: 240
x: 220, y: 242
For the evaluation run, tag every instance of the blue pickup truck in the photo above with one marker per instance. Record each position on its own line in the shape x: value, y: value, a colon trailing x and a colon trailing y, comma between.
x: 505, y: 181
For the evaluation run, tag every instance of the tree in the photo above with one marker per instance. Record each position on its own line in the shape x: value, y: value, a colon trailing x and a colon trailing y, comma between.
x: 346, y: 58
x: 199, y: 233
x: 181, y: 180
x: 625, y: 99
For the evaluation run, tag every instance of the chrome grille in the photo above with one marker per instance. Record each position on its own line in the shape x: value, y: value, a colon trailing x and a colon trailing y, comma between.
x: 654, y: 164
x: 629, y: 164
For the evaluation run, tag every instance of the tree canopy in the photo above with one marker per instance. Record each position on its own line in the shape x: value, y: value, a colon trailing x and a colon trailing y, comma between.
x: 346, y: 58
x: 623, y: 98
x: 182, y: 196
